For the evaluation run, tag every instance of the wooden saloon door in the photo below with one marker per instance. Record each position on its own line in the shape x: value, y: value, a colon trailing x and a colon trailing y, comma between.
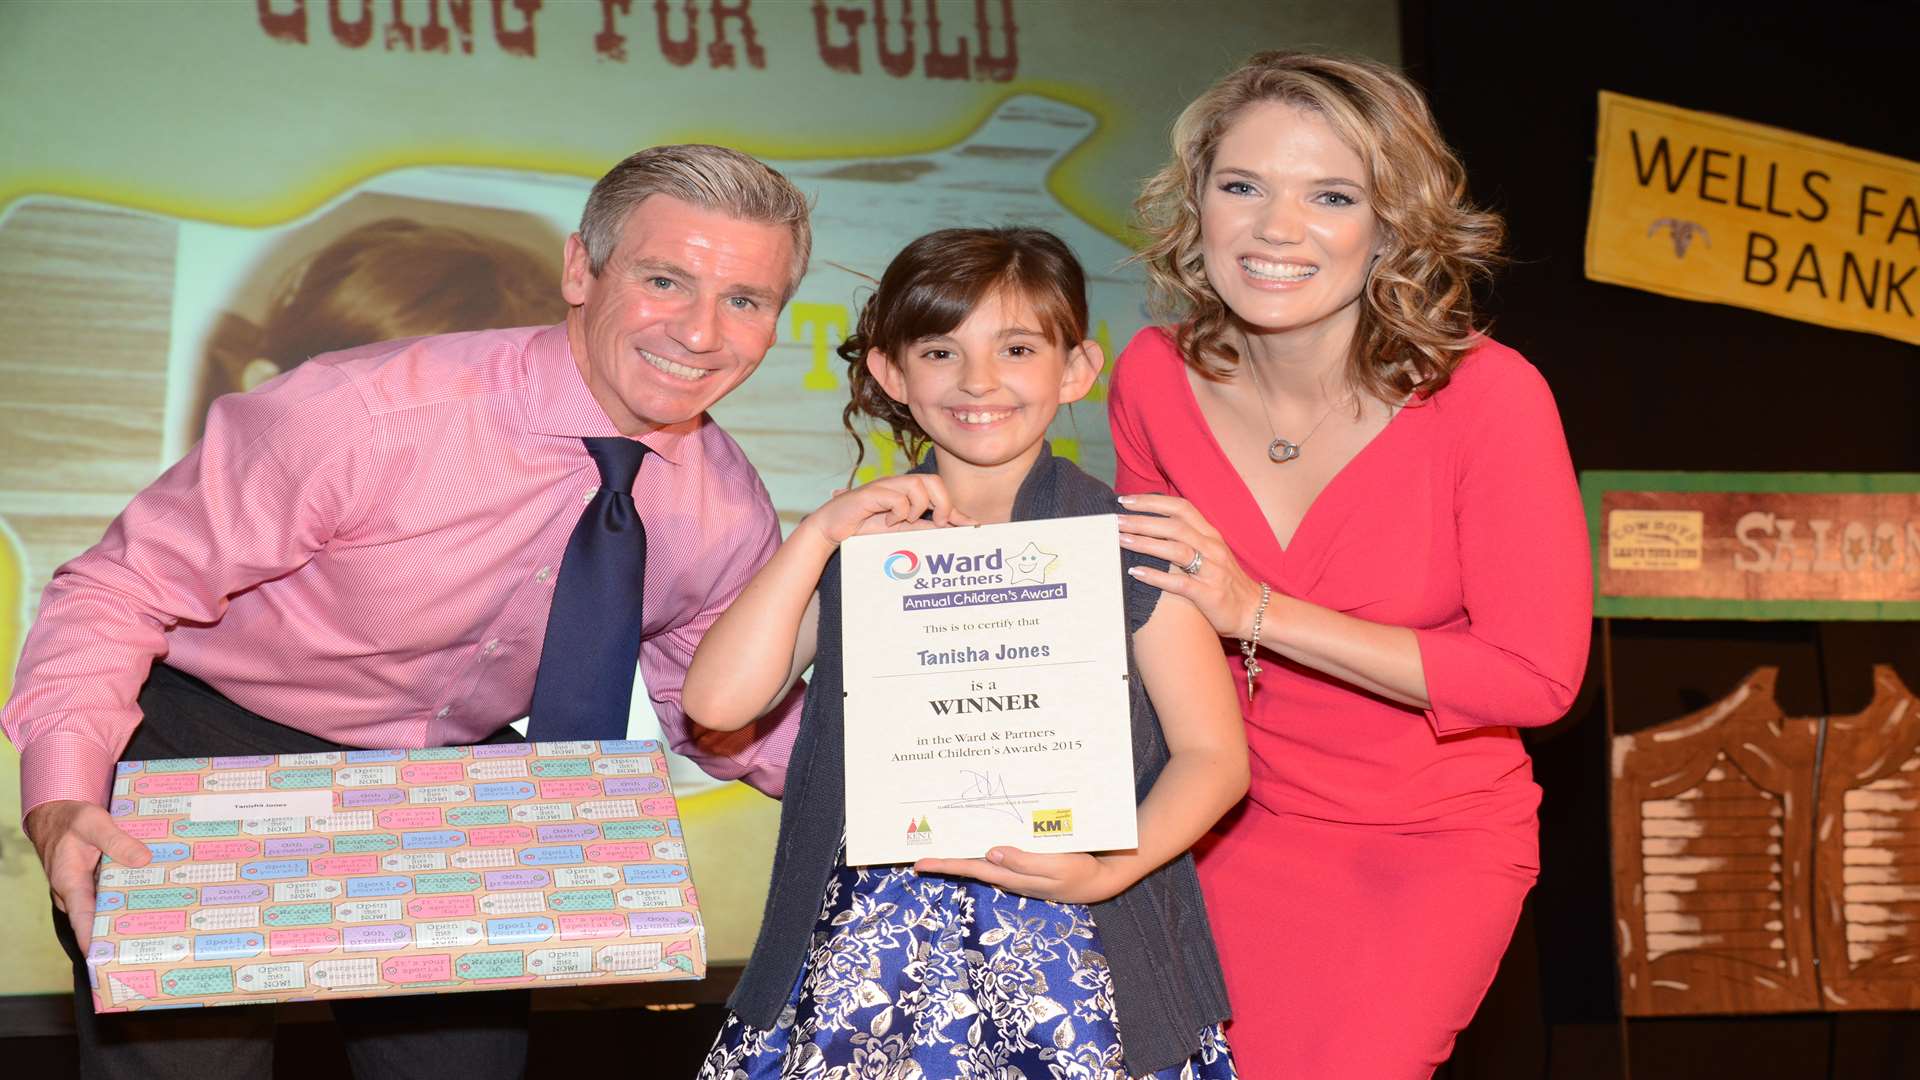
x: 1867, y: 853
x: 1763, y: 866
x: 1712, y: 835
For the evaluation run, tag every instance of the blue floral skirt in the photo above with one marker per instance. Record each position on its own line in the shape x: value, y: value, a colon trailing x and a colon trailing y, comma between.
x: 932, y: 978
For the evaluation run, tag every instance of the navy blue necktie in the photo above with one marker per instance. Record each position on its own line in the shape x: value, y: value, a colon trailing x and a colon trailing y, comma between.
x: 584, y: 686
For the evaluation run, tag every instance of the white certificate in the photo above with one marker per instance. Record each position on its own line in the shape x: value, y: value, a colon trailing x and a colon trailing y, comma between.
x: 986, y: 683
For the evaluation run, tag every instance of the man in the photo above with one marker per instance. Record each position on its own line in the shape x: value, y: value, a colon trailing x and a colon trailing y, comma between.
x: 387, y: 547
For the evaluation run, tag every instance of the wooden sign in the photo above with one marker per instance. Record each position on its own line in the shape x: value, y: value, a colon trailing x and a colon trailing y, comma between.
x: 1672, y: 545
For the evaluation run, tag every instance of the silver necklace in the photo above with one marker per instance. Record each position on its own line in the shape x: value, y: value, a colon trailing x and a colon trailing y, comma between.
x: 1280, y: 451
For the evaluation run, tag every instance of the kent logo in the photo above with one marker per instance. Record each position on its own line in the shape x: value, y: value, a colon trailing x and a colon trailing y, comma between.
x: 947, y: 563
x: 1053, y: 822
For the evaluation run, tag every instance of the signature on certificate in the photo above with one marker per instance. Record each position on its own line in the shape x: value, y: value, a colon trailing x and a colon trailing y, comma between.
x: 985, y: 791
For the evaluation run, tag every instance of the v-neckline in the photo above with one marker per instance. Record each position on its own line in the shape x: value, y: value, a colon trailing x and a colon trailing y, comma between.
x: 1251, y: 503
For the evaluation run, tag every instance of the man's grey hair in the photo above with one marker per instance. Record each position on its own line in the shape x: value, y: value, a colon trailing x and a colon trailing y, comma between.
x: 710, y: 177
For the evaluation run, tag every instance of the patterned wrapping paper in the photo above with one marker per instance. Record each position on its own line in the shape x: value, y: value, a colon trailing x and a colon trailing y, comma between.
x: 437, y: 871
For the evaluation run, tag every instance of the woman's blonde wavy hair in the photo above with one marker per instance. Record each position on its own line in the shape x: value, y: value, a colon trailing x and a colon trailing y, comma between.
x: 1416, y: 314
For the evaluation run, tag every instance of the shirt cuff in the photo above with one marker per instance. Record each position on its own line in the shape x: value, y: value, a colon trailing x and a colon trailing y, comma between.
x: 1440, y: 654
x: 755, y: 755
x: 728, y: 756
x: 64, y: 765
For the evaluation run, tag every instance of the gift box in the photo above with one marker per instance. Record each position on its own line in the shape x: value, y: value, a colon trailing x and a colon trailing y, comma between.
x: 369, y: 873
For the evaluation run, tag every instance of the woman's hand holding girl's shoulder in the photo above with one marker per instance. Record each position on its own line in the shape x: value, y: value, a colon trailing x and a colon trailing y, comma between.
x: 1171, y: 528
x: 885, y: 505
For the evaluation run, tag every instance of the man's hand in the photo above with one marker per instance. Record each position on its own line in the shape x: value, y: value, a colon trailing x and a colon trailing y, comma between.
x: 70, y: 837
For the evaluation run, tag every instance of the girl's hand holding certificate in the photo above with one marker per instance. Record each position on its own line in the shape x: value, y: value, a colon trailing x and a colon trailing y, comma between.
x: 889, y: 504
x: 1070, y: 878
x: 778, y: 606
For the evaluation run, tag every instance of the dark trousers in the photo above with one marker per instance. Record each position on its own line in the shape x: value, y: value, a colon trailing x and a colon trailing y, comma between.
x: 478, y: 1036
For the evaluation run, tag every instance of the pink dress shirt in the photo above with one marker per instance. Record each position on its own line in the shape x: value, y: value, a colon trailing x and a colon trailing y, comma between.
x: 365, y: 549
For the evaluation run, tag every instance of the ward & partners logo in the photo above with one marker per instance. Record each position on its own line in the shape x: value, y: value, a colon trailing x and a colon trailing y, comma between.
x: 946, y: 569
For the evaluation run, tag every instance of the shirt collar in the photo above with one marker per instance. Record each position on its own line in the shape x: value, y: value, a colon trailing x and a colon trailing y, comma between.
x: 1037, y: 496
x: 559, y: 403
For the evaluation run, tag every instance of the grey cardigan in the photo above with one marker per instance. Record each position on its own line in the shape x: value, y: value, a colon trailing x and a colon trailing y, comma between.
x: 1167, y: 981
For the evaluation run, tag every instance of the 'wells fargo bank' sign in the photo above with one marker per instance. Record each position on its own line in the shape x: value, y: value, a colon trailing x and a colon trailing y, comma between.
x: 1754, y: 545
x: 1703, y: 207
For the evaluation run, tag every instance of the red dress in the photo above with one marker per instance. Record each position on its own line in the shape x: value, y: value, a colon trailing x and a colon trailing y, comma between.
x: 1363, y: 895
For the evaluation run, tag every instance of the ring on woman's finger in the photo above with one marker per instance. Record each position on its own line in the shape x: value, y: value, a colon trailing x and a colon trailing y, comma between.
x: 1193, y: 567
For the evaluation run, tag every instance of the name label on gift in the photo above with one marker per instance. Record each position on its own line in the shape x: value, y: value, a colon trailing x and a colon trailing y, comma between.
x: 259, y: 805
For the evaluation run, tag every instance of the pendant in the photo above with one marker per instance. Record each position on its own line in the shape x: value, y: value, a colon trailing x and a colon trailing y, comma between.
x: 1283, y: 451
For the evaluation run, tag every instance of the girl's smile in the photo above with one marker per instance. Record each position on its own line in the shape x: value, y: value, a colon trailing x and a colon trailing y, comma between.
x: 980, y: 418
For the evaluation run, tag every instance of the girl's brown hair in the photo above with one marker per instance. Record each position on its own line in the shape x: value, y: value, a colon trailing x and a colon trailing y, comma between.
x: 388, y: 279
x: 1416, y: 312
x: 933, y: 285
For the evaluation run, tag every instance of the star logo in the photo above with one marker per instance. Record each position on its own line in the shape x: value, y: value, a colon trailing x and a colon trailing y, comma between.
x: 1029, y: 565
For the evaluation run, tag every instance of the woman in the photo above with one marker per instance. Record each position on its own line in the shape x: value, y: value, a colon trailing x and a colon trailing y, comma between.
x: 1373, y: 503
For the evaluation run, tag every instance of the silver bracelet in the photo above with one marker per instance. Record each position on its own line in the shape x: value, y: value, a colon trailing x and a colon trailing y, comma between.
x: 1251, y: 646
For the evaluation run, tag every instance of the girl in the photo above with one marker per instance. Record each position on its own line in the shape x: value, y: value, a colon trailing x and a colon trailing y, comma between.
x: 1016, y: 964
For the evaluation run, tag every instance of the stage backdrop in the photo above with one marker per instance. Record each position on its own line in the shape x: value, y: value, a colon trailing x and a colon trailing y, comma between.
x: 195, y: 196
